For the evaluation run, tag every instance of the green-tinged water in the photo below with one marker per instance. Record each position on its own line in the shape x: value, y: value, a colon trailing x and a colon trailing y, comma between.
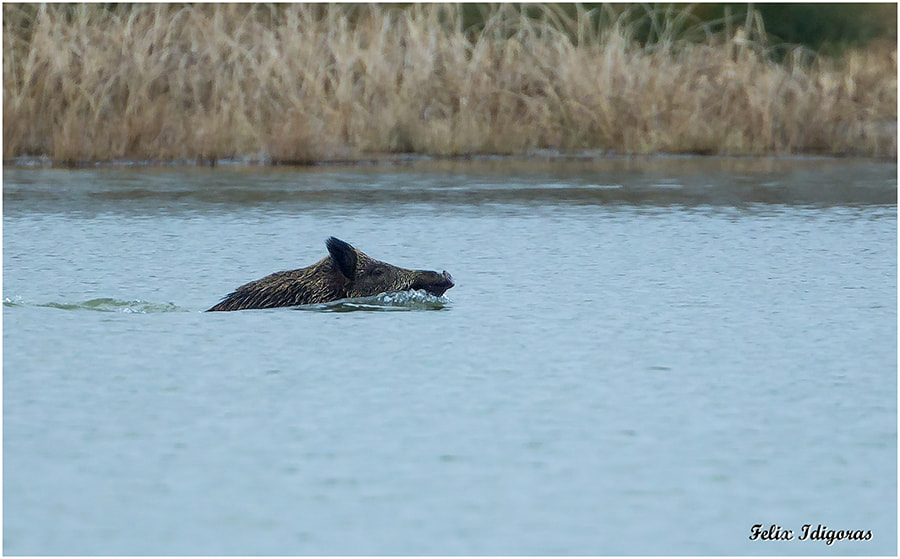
x: 638, y: 357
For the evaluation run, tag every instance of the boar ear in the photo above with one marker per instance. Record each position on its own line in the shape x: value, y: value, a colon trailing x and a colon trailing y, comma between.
x: 343, y: 255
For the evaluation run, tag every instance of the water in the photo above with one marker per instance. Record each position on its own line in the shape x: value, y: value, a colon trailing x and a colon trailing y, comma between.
x: 639, y: 357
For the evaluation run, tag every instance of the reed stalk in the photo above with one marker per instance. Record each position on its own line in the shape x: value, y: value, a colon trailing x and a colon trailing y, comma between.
x: 303, y: 83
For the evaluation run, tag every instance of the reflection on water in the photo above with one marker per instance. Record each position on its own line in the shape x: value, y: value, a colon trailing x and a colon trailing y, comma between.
x: 454, y: 186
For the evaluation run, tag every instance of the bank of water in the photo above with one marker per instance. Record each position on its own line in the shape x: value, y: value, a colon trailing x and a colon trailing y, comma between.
x: 638, y: 357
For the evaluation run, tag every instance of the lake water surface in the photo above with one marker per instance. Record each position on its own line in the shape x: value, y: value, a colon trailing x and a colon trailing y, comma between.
x: 645, y: 356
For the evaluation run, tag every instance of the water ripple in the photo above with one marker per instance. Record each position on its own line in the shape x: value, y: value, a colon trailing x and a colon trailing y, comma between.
x: 102, y: 304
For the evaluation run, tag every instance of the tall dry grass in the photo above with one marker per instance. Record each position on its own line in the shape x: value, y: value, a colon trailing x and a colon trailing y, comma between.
x: 300, y: 83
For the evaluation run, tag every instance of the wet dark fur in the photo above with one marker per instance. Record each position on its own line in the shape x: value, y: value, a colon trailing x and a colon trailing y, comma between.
x: 345, y: 272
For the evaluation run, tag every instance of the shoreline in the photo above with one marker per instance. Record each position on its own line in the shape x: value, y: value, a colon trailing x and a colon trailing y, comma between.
x: 397, y: 159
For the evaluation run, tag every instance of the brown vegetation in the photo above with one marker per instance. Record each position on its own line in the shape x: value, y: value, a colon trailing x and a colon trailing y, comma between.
x: 300, y: 83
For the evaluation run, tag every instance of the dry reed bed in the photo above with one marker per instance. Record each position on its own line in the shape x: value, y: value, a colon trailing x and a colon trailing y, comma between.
x: 302, y: 83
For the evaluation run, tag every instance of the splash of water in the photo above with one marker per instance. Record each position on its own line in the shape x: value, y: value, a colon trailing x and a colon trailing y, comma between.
x: 413, y: 300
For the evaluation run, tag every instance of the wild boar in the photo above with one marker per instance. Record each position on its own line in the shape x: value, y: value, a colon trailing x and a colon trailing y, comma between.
x: 346, y: 272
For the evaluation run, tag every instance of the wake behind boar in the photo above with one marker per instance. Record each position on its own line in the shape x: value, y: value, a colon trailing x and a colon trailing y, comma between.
x: 344, y: 273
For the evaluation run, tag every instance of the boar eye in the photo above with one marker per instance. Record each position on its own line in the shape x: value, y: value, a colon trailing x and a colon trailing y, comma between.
x: 378, y: 272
